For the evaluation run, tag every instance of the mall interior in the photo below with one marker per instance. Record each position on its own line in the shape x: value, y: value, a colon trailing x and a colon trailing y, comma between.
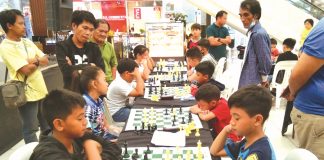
x: 169, y: 75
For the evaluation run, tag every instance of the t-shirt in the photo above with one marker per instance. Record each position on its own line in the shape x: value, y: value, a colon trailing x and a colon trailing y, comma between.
x: 209, y: 58
x: 109, y: 58
x: 287, y: 56
x: 94, y: 113
x: 14, y: 56
x: 260, y: 149
x: 310, y: 98
x: 219, y: 32
x: 222, y: 118
x: 117, y: 95
x: 192, y: 44
x: 304, y: 34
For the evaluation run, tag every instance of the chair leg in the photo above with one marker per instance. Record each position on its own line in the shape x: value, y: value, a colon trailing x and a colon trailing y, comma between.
x: 293, y: 132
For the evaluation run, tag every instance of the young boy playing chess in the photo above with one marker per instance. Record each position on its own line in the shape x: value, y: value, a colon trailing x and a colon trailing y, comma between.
x: 210, y: 107
x: 203, y: 75
x: 193, y: 57
x: 68, y: 138
x: 250, y: 107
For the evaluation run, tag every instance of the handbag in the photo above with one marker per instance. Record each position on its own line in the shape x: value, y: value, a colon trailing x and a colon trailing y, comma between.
x: 13, y: 93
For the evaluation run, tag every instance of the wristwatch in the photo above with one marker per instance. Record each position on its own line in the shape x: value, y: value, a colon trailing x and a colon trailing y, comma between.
x: 219, y: 40
x: 36, y: 63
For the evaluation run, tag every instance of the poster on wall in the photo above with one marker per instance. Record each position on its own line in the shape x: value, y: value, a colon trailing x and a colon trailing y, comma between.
x: 165, y: 39
x: 113, y: 11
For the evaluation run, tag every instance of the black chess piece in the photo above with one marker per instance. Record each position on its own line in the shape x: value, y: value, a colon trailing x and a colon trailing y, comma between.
x: 145, y: 156
x: 135, y: 155
x: 178, y: 78
x: 174, y: 118
x: 149, y: 127
x: 173, y: 124
x: 190, y: 117
x: 181, y: 75
x: 173, y: 77
x: 148, y: 151
x: 155, y: 90
x: 166, y: 112
x: 183, y: 121
x: 126, y: 155
x: 154, y: 80
x: 143, y: 127
x: 136, y: 131
x: 180, y: 109
x: 150, y: 89
x: 161, y: 90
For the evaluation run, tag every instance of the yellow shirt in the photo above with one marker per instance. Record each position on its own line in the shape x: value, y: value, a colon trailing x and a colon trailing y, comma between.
x: 14, y: 56
x: 304, y: 36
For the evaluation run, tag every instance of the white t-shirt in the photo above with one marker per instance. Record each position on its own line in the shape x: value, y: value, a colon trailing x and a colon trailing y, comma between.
x: 117, y: 95
x: 209, y: 58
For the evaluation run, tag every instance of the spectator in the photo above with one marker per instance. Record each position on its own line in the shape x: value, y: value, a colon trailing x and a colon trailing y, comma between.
x: 256, y: 60
x: 308, y: 23
x: 121, y: 89
x: 274, y: 50
x: 144, y: 61
x: 218, y: 36
x: 107, y: 51
x: 306, y: 84
x: 195, y: 35
x: 23, y: 58
x: 76, y: 52
x: 204, y: 45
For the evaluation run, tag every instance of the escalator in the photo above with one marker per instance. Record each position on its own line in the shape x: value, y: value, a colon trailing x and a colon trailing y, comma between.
x: 312, y: 7
x: 281, y: 18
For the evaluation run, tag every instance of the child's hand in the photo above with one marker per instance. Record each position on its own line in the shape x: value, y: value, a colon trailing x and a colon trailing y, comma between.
x: 228, y: 128
x: 195, y: 109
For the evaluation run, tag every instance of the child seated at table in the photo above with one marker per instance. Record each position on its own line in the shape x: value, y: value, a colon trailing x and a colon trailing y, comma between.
x: 121, y: 89
x: 193, y: 57
x: 144, y: 61
x: 68, y: 137
x: 249, y: 107
x: 210, y: 107
x: 203, y: 75
x: 90, y: 82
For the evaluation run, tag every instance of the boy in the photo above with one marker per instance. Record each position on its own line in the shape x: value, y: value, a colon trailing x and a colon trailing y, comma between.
x: 250, y: 107
x: 287, y: 46
x: 76, y: 52
x: 193, y: 57
x: 274, y: 50
x: 204, y: 71
x: 68, y: 138
x: 204, y: 45
x: 121, y: 89
x: 213, y: 109
x: 195, y: 31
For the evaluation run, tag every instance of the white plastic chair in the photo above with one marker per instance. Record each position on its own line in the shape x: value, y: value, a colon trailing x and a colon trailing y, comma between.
x: 24, y: 152
x: 287, y: 66
x: 220, y: 68
x: 300, y: 154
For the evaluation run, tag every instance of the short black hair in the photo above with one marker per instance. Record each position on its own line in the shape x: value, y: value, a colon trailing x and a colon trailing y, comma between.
x: 252, y: 6
x: 59, y: 104
x: 102, y: 21
x: 126, y: 64
x: 207, y: 92
x: 9, y: 16
x: 204, y: 43
x: 253, y: 99
x: 310, y: 21
x: 139, y: 50
x: 289, y: 42
x: 220, y: 14
x: 195, y: 26
x: 79, y: 16
x: 194, y: 53
x: 273, y: 41
x: 205, y: 67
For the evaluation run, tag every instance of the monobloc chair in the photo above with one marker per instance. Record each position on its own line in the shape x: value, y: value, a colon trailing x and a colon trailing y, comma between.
x: 24, y: 152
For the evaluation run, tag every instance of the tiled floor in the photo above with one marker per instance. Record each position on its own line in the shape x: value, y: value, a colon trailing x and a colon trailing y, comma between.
x: 281, y: 144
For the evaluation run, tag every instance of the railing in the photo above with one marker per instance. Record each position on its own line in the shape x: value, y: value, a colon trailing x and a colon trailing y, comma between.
x: 308, y: 7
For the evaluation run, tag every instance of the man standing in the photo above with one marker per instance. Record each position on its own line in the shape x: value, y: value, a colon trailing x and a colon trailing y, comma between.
x: 107, y: 51
x: 218, y: 36
x: 23, y: 58
x: 256, y: 60
x: 76, y: 52
x: 306, y: 83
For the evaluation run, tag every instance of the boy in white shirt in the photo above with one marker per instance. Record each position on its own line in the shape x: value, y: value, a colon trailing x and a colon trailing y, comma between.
x: 121, y: 89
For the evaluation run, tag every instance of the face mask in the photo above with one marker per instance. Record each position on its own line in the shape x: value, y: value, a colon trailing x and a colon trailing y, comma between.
x: 252, y: 24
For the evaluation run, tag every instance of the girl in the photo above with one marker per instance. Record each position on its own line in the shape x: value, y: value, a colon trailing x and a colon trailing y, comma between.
x: 145, y: 63
x: 91, y: 83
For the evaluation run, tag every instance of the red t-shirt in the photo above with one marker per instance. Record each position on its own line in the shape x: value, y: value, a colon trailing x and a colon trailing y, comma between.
x: 192, y: 44
x: 223, y: 118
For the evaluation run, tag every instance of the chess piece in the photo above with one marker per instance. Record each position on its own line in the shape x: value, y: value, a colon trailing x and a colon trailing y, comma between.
x: 190, y: 117
x: 145, y: 156
x: 148, y: 151
x: 150, y: 89
x: 188, y: 155
x: 197, y: 132
x: 155, y: 90
x: 174, y: 117
x: 167, y: 155
x: 143, y: 126
x: 149, y: 127
x: 126, y: 155
x: 166, y: 112
x: 136, y: 131
x: 183, y: 121
x: 135, y: 155
x: 173, y: 124
x: 180, y: 110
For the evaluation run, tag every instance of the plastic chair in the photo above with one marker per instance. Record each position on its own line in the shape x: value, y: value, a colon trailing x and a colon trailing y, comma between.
x: 24, y: 152
x: 300, y: 154
x: 287, y: 66
x: 220, y: 68
x: 109, y: 117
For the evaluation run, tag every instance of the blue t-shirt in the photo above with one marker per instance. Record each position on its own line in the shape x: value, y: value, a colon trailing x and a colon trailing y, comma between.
x: 260, y: 149
x: 310, y: 98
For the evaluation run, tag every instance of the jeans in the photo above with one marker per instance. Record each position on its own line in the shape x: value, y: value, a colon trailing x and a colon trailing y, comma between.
x: 30, y: 116
x: 121, y: 115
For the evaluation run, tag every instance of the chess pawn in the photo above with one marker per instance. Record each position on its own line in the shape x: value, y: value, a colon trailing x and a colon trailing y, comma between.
x: 197, y: 132
x: 188, y: 155
x: 199, y: 145
x: 167, y: 153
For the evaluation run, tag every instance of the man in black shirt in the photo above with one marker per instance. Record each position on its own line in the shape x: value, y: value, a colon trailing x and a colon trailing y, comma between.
x: 76, y: 52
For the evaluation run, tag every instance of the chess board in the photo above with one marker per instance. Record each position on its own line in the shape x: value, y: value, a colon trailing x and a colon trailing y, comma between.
x: 155, y: 80
x: 176, y: 92
x: 174, y: 153
x: 157, y: 117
